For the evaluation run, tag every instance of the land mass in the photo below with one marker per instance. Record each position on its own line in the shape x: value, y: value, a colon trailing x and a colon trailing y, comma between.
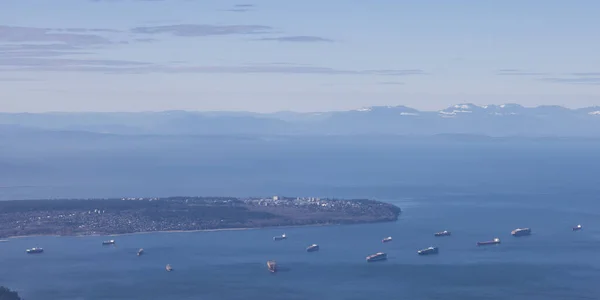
x: 70, y: 217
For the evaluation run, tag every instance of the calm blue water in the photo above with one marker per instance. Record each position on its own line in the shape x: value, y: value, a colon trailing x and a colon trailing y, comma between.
x: 553, y: 263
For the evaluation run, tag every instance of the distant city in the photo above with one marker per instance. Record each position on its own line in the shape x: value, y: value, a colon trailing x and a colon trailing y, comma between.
x: 134, y: 215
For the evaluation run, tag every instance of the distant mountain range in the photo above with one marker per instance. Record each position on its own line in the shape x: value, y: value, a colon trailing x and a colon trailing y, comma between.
x: 465, y: 118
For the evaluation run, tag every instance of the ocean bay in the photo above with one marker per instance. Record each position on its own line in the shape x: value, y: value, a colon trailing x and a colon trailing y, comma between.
x: 553, y: 263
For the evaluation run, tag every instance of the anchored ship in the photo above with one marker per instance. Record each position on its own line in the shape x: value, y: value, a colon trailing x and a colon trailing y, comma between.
x: 272, y: 266
x: 578, y: 227
x: 521, y: 232
x: 140, y: 252
x: 443, y: 233
x: 34, y: 250
x: 377, y: 257
x: 427, y: 251
x: 492, y: 242
x: 279, y: 238
x: 387, y: 239
x: 312, y: 248
x: 169, y: 268
x: 109, y: 242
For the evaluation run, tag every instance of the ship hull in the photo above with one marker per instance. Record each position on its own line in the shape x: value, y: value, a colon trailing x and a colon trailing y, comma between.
x: 312, y: 249
x: 519, y: 233
x: 487, y: 243
x: 428, y: 251
x: 377, y: 257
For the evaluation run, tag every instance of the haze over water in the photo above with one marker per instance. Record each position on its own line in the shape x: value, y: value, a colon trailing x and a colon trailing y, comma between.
x: 553, y: 263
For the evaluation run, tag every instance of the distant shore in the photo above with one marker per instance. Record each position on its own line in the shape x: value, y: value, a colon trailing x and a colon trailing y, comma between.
x: 169, y: 231
x: 126, y: 216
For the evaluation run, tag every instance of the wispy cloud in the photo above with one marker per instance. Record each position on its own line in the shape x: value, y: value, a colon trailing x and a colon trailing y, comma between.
x: 70, y: 36
x: 194, y: 30
x: 137, y: 67
x: 241, y: 8
x: 298, y: 38
x: 518, y: 72
x: 586, y: 74
x: 391, y: 83
x: 17, y: 79
x: 574, y: 80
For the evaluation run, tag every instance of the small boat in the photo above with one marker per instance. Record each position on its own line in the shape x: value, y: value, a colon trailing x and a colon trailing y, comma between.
x: 379, y: 256
x: 279, y: 238
x: 578, y: 227
x: 427, y: 251
x: 140, y: 252
x: 312, y: 248
x: 109, y: 242
x: 34, y: 250
x: 272, y: 266
x: 521, y: 232
x: 492, y: 242
x: 169, y: 268
x: 443, y: 233
x: 387, y: 239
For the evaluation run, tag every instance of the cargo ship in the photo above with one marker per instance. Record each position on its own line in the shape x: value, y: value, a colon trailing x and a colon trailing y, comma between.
x: 492, y: 242
x: 379, y: 256
x: 109, y: 242
x: 169, y: 268
x: 428, y: 251
x: 280, y: 238
x: 521, y: 232
x: 272, y: 266
x: 387, y: 239
x: 34, y: 250
x: 443, y: 233
x: 312, y: 248
x: 578, y: 227
x: 140, y: 252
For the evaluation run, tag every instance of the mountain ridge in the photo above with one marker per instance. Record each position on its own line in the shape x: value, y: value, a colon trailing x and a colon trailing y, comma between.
x: 509, y: 119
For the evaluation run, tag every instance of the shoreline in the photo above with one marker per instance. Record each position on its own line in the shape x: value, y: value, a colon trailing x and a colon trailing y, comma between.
x: 175, y: 231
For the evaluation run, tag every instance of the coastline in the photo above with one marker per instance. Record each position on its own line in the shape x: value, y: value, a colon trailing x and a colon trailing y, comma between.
x: 175, y: 231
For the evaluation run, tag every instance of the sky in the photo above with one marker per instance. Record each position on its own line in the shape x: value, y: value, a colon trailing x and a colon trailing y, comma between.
x: 274, y: 55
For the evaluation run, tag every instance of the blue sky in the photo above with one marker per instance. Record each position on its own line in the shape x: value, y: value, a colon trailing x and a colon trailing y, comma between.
x: 270, y: 55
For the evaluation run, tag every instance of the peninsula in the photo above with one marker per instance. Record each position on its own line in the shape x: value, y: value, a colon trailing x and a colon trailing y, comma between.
x: 70, y: 217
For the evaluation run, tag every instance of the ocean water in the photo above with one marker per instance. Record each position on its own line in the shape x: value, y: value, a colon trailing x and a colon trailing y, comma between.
x: 553, y: 263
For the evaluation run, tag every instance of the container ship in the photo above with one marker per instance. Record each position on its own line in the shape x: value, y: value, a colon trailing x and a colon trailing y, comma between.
x: 428, y: 251
x: 169, y: 268
x: 140, y: 252
x: 280, y: 238
x: 443, y: 233
x: 34, y: 250
x: 109, y: 242
x: 312, y: 248
x: 387, y: 239
x: 492, y: 242
x: 578, y: 227
x: 272, y: 266
x: 521, y: 232
x: 379, y: 256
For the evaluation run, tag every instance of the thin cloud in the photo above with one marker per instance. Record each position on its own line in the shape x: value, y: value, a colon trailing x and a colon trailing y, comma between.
x: 197, y: 30
x: 586, y: 74
x: 17, y: 79
x: 518, y: 72
x: 298, y: 39
x: 136, y: 67
x: 241, y: 8
x: 391, y: 83
x: 578, y: 80
x: 16, y: 34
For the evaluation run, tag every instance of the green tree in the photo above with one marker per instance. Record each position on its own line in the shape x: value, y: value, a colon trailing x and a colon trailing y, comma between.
x: 7, y: 294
